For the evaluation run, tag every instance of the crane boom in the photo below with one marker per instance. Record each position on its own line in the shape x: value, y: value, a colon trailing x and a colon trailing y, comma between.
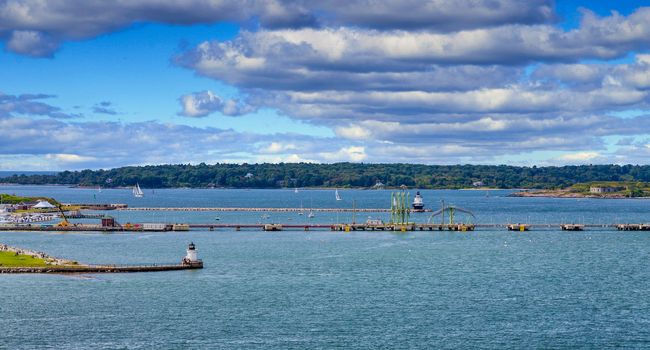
x: 64, y: 222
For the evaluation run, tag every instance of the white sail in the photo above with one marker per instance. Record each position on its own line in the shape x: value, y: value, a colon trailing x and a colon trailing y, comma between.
x: 311, y: 212
x: 295, y: 190
x: 338, y: 197
x: 137, y: 192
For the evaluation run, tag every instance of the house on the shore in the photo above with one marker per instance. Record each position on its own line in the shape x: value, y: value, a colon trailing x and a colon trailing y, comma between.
x: 25, y: 205
x: 605, y: 189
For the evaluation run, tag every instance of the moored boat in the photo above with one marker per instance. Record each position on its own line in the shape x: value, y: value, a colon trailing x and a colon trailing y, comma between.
x: 137, y: 192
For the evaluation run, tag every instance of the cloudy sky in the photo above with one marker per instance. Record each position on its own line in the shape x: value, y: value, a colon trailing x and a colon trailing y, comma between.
x: 100, y: 84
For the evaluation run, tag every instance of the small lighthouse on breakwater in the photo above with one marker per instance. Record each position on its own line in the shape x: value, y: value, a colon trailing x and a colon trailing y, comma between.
x: 191, y: 258
x: 418, y: 203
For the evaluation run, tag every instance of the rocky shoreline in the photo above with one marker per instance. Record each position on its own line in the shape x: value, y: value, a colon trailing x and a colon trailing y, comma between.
x: 569, y: 194
x: 50, y: 260
x: 65, y: 266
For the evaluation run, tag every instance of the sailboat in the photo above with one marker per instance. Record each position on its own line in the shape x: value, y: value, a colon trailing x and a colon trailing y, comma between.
x: 311, y: 212
x: 338, y: 197
x: 137, y: 192
x: 295, y: 190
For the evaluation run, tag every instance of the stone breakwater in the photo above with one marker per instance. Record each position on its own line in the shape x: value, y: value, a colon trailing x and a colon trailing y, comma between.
x: 567, y: 194
x: 99, y: 268
x: 58, y: 265
x: 50, y: 260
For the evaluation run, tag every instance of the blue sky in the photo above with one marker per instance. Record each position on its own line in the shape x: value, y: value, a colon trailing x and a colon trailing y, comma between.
x: 106, y: 84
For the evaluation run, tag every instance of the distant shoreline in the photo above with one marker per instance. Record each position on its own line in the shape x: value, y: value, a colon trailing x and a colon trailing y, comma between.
x: 328, y: 188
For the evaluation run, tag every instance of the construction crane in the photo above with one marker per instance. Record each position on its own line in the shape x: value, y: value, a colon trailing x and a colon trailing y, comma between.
x: 451, y: 210
x: 64, y: 222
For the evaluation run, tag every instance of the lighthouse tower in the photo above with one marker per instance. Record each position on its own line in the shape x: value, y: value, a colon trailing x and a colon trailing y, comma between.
x: 191, y: 258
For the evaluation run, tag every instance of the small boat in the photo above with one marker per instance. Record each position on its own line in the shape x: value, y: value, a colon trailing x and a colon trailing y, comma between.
x: 295, y: 190
x: 374, y: 222
x: 265, y: 216
x: 418, y: 203
x: 217, y: 218
x: 137, y: 192
x: 336, y: 193
x: 311, y: 212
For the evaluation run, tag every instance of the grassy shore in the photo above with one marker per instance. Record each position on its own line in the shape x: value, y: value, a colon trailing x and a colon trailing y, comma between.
x: 11, y: 259
x: 13, y: 199
x: 622, y: 189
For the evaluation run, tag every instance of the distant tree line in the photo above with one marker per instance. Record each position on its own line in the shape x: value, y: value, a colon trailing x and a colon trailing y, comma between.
x: 340, y: 175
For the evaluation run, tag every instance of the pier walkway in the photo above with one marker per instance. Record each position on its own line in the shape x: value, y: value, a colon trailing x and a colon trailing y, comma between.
x: 100, y: 268
x: 163, y: 227
x: 359, y: 210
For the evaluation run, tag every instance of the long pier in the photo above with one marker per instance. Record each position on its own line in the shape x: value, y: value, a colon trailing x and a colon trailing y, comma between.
x: 65, y: 266
x: 162, y: 227
x: 100, y: 268
x: 359, y: 210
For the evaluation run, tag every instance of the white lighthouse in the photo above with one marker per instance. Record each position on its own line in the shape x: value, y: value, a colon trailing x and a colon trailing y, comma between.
x: 191, y: 258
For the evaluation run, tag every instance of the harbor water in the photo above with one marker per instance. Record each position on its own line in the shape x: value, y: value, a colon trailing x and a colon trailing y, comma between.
x: 490, y: 288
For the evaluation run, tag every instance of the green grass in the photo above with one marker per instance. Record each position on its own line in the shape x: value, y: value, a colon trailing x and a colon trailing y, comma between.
x: 10, y: 259
x: 12, y: 199
x: 631, y: 188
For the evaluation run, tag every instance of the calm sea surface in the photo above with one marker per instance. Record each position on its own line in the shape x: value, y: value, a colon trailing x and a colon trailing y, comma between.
x: 292, y: 290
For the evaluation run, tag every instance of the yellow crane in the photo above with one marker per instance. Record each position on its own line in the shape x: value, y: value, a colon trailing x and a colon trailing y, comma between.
x: 64, y: 222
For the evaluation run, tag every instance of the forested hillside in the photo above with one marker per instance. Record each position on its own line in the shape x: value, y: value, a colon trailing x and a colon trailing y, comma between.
x: 340, y: 175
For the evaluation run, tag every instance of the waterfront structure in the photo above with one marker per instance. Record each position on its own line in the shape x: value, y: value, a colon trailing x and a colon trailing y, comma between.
x: 24, y: 205
x: 48, y: 264
x: 191, y: 258
x: 605, y: 189
x: 418, y: 202
x: 399, y: 210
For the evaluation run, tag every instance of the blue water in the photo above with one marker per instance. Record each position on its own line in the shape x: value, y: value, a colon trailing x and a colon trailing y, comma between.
x: 489, y: 289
